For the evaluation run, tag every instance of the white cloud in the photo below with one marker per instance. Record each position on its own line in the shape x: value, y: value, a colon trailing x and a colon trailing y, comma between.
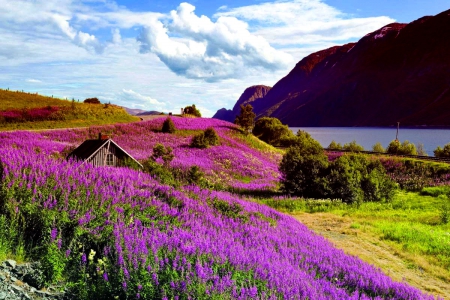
x: 116, y: 37
x: 34, y: 81
x: 311, y: 23
x: 209, y: 50
x: 135, y: 100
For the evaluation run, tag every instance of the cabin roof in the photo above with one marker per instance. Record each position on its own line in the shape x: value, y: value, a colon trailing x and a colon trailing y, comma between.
x: 90, y: 147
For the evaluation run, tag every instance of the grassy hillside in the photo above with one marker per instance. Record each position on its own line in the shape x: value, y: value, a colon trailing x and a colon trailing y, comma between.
x: 19, y: 110
x: 119, y: 233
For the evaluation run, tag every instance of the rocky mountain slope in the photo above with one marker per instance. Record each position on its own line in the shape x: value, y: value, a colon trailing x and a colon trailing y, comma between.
x: 252, y: 94
x: 400, y: 72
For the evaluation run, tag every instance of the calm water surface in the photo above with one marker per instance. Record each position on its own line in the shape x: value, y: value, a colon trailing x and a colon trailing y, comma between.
x: 367, y: 137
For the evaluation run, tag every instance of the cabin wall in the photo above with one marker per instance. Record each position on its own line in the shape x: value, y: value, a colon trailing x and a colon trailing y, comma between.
x: 101, y: 157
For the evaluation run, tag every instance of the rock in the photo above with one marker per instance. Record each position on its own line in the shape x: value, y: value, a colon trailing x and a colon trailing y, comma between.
x: 2, y: 295
x: 11, y: 263
x: 13, y: 279
x: 2, y: 277
x: 16, y: 288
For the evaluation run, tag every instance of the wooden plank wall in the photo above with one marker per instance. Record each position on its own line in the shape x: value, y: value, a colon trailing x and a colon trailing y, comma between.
x: 99, y: 159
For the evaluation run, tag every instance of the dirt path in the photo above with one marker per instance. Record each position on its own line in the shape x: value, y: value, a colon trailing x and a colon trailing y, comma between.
x: 372, y: 250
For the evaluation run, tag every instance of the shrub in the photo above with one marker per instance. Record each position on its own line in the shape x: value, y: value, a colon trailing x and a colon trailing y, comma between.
x: 355, y: 178
x: 211, y: 137
x: 198, y: 141
x: 92, y: 101
x: 353, y: 147
x: 405, y: 148
x: 205, y: 139
x: 195, y: 176
x: 378, y: 148
x: 168, y: 126
x: 302, y: 167
x: 439, y: 152
x: 421, y: 150
x: 165, y: 153
x: 334, y: 146
x: 192, y: 110
x: 271, y: 131
x: 246, y: 118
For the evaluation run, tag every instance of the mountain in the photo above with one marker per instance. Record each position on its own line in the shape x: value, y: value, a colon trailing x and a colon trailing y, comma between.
x: 250, y: 95
x: 140, y: 112
x: 399, y: 73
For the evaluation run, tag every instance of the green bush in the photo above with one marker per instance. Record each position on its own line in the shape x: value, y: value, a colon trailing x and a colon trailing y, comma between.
x: 355, y: 179
x: 378, y: 148
x: 210, y: 136
x: 168, y: 126
x: 303, y: 166
x: 199, y: 141
x: 165, y: 153
x: 405, y: 148
x: 334, y: 146
x: 445, y: 152
x: 192, y: 110
x: 205, y: 139
x: 271, y: 131
x: 353, y: 147
x: 195, y: 176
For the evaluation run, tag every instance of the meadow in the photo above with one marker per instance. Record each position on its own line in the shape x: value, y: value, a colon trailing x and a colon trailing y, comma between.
x: 415, y: 227
x: 21, y: 110
x: 117, y: 232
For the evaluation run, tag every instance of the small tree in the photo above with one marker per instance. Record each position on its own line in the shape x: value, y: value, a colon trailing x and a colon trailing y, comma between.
x: 405, y: 148
x: 334, y: 146
x: 168, y: 126
x: 378, y: 148
x: 92, y: 101
x: 303, y: 167
x: 198, y: 141
x: 192, y: 110
x: 165, y: 153
x: 271, y: 131
x: 211, y: 137
x: 445, y: 152
x: 353, y: 147
x: 246, y: 118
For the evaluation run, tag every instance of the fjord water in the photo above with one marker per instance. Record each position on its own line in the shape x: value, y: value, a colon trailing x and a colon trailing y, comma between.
x: 367, y: 137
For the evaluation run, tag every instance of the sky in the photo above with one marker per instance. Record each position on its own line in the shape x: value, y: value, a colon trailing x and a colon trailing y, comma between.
x: 164, y: 55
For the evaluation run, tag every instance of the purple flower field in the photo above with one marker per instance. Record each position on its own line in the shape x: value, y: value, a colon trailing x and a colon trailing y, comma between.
x: 119, y: 232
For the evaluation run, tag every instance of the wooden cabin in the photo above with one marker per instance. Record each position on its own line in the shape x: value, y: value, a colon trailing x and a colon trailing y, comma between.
x: 101, y: 152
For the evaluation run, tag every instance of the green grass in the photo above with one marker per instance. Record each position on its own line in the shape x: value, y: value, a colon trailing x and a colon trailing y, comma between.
x: 412, y: 223
x: 20, y: 100
x: 70, y: 114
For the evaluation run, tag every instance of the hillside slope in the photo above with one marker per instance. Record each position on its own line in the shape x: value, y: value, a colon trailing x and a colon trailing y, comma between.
x: 397, y: 73
x: 249, y: 96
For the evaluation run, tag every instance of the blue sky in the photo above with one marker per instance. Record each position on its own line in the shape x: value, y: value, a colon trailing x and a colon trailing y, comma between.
x: 164, y: 55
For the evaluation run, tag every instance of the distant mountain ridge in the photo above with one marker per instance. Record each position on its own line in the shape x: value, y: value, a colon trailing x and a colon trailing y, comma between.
x: 398, y: 73
x: 250, y: 95
x: 140, y: 112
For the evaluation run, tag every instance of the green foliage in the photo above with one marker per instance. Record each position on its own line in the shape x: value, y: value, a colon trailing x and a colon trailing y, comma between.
x: 435, y: 191
x: 199, y: 141
x: 355, y: 179
x: 168, y: 126
x: 210, y: 136
x: 378, y: 148
x: 53, y: 263
x: 442, y: 152
x: 303, y: 167
x: 195, y: 175
x: 165, y: 153
x: 353, y: 147
x: 205, y: 139
x: 246, y: 118
x: 192, y: 110
x: 334, y: 146
x: 92, y: 101
x: 131, y: 163
x: 405, y: 148
x: 272, y: 131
